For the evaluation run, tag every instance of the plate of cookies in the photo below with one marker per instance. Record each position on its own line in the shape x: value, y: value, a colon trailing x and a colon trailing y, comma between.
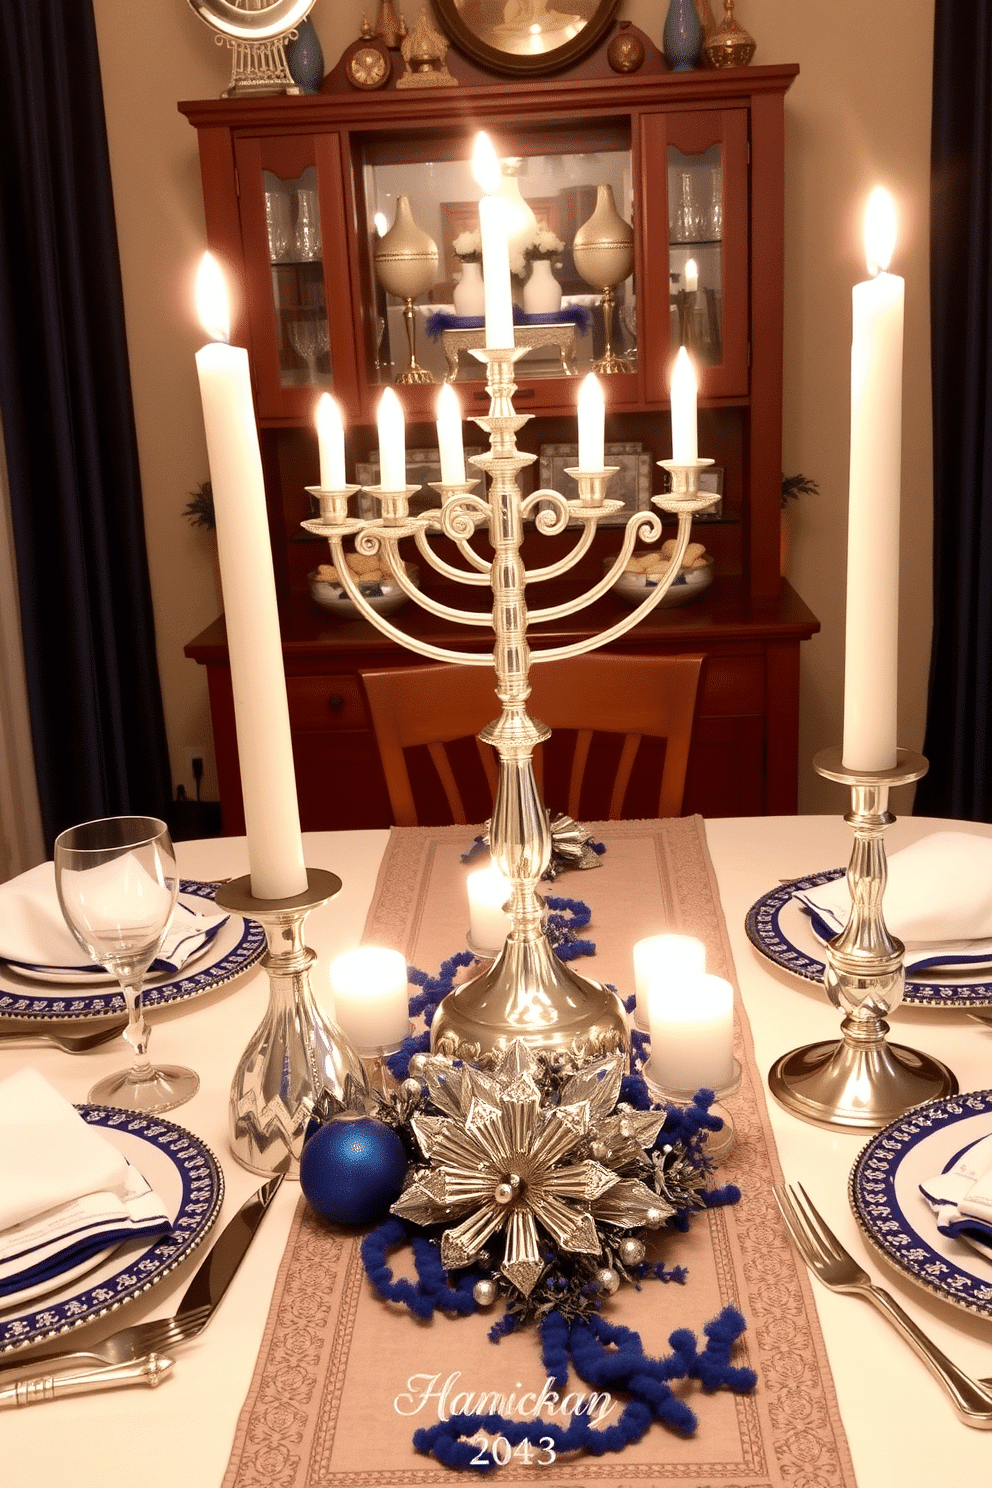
x: 375, y: 583
x: 646, y: 570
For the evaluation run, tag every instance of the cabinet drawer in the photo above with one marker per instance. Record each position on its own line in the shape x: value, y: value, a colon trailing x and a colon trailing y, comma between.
x: 319, y: 703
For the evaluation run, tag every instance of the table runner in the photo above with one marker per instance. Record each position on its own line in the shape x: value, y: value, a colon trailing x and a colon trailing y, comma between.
x: 343, y: 1379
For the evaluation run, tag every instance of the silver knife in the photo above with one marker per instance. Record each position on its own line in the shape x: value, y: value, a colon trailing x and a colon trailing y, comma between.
x: 205, y: 1291
x: 150, y: 1370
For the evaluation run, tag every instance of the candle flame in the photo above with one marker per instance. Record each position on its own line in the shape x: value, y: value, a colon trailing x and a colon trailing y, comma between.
x: 485, y: 164
x: 880, y: 230
x: 328, y: 413
x: 211, y: 299
x: 447, y: 402
x: 690, y: 274
x: 683, y: 372
x: 590, y: 393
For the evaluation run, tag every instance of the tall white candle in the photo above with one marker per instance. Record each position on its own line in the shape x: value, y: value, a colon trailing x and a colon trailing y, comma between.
x: 330, y: 443
x: 664, y: 960
x: 494, y: 226
x: 592, y: 413
x: 870, y: 666
x: 449, y: 437
x: 489, y: 926
x: 265, y: 750
x: 685, y: 448
x: 371, y: 1002
x: 392, y: 442
x: 692, y: 1035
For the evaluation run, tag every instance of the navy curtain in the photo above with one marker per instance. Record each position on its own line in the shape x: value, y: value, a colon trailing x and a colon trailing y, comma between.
x: 959, y: 720
x: 65, y: 400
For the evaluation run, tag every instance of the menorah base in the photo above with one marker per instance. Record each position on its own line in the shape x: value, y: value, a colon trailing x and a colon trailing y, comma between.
x: 415, y: 376
x: 611, y: 363
x: 528, y: 994
x: 849, y: 1083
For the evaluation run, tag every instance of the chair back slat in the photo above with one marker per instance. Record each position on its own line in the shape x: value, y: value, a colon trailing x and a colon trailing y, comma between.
x: 633, y: 696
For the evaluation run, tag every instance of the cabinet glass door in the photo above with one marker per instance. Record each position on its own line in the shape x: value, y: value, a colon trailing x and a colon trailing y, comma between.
x: 296, y: 258
x: 695, y: 252
x: 553, y: 188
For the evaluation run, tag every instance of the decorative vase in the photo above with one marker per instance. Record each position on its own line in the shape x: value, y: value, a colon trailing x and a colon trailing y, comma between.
x: 729, y: 45
x: 304, y: 57
x: 603, y: 247
x: 682, y: 37
x: 406, y: 257
x: 469, y: 294
x: 522, y: 223
x: 542, y: 292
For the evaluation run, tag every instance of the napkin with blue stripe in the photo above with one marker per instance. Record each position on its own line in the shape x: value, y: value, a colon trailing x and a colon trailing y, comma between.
x: 961, y: 1196
x: 35, y: 937
x: 938, y: 901
x: 66, y: 1193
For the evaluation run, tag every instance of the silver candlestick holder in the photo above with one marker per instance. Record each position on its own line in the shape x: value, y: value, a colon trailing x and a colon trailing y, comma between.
x: 297, y: 1059
x: 527, y: 992
x: 861, y: 1080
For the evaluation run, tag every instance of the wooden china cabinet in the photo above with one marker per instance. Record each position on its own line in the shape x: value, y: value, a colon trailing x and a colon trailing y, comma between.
x: 293, y: 189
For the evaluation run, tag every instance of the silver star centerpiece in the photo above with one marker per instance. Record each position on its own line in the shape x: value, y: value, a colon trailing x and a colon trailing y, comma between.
x: 506, y: 1157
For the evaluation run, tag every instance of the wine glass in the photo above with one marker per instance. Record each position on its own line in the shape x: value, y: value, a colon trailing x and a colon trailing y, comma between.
x: 310, y: 340
x: 117, y: 882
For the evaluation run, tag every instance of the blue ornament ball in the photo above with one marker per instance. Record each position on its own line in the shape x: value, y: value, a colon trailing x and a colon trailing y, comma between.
x: 352, y: 1169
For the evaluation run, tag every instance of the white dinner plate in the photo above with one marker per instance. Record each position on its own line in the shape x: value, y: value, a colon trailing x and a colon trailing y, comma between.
x: 187, y: 1178
x: 779, y: 927
x: 894, y: 1215
x: 236, y: 946
x: 81, y: 976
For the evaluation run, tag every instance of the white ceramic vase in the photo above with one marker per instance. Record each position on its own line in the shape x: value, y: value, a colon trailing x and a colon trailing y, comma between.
x: 542, y: 292
x: 469, y: 293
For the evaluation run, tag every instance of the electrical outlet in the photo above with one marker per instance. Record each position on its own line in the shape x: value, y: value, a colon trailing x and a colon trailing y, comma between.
x: 190, y: 753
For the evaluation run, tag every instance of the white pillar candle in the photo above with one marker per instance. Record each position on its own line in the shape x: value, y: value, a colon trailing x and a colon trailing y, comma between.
x: 392, y: 442
x: 664, y: 960
x: 265, y: 749
x: 494, y: 226
x: 489, y: 925
x: 692, y: 1034
x: 330, y: 443
x: 592, y: 414
x: 870, y: 675
x: 449, y: 437
x: 371, y: 1001
x: 690, y: 276
x: 683, y: 394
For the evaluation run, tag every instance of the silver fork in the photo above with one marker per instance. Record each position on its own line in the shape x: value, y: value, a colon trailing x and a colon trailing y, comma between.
x: 155, y: 1337
x: 838, y: 1270
x: 71, y: 1043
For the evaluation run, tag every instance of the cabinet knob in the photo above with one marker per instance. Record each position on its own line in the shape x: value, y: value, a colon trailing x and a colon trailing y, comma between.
x: 335, y: 702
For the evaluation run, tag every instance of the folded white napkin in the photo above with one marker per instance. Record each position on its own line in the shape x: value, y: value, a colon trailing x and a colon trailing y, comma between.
x: 35, y: 936
x: 66, y: 1193
x: 938, y: 901
x: 961, y: 1196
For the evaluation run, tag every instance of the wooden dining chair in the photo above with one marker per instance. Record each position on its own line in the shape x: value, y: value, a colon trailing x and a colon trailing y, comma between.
x: 606, y: 711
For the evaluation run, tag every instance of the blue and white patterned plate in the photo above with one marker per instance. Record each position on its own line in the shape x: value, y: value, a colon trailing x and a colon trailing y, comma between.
x: 187, y: 1178
x: 236, y: 946
x: 780, y: 929
x: 896, y: 1219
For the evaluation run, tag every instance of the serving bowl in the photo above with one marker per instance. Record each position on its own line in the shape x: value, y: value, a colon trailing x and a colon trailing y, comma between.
x: 384, y: 595
x: 687, y: 585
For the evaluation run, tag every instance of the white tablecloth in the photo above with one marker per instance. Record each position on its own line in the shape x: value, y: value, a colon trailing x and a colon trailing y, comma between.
x: 900, y: 1427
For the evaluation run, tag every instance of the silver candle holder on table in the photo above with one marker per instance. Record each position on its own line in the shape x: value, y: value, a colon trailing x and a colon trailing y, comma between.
x: 527, y: 992
x: 861, y: 1080
x: 297, y: 1060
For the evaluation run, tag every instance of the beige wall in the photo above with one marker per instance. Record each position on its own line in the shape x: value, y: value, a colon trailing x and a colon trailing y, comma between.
x: 859, y: 112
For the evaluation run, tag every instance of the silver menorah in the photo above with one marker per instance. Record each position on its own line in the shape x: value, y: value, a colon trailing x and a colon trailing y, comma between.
x: 528, y: 992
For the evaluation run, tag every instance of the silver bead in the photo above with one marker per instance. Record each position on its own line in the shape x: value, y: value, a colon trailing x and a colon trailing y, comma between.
x: 418, y: 1065
x: 653, y: 1218
x: 412, y: 1089
x: 631, y: 1251
x: 504, y: 1193
x: 484, y: 1293
x: 607, y: 1280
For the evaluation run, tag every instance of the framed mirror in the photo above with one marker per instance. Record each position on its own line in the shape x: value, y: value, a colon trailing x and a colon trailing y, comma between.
x: 525, y: 37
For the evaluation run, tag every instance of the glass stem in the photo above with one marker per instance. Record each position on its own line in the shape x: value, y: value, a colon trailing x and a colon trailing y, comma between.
x: 137, y: 1031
